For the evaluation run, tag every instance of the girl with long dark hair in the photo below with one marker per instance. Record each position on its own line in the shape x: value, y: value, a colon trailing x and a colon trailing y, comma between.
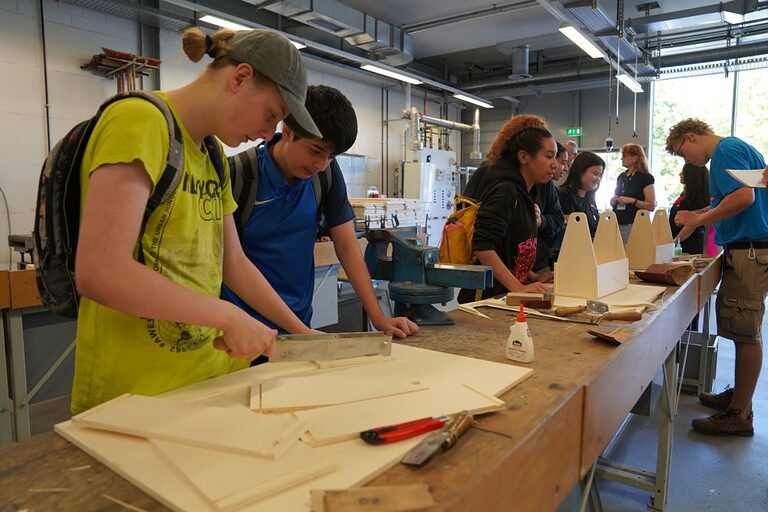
x: 578, y: 192
x: 506, y: 227
x: 695, y: 196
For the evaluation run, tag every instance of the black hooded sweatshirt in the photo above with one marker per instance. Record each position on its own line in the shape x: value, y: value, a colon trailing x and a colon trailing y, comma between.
x: 505, y: 222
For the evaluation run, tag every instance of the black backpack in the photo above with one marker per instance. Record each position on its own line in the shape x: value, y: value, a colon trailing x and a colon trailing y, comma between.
x: 244, y: 176
x: 57, y: 216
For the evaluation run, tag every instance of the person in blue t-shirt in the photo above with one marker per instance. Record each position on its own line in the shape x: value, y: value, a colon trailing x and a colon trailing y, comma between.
x: 740, y: 216
x: 280, y: 233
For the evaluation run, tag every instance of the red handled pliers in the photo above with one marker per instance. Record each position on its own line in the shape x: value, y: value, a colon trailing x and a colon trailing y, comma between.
x: 400, y: 431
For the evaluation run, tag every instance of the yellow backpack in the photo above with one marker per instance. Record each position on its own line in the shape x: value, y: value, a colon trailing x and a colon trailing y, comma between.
x: 456, y: 244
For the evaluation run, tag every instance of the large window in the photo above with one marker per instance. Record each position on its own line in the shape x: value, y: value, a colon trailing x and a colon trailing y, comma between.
x: 709, y: 98
x: 752, y: 108
x: 608, y: 184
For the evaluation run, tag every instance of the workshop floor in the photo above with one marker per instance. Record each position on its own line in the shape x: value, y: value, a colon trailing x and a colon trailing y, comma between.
x: 709, y: 474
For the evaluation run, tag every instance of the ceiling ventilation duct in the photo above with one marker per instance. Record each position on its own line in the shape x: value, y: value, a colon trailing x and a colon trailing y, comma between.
x: 388, y: 44
x: 519, y: 63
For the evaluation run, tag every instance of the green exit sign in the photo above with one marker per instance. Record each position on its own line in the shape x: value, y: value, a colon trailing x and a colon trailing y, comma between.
x: 573, y: 132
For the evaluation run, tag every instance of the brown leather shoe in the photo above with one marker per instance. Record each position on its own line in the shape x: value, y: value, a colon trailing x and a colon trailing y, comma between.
x: 717, y: 401
x: 728, y: 422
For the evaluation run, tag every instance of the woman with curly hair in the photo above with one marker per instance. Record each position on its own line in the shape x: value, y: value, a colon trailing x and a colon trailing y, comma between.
x: 507, y: 222
x: 634, y: 188
x: 549, y: 216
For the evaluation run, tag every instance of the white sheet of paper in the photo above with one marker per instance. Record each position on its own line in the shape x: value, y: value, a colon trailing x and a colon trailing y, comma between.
x: 750, y: 177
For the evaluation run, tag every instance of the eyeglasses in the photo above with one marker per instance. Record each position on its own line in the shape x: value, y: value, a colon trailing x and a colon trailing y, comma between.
x: 677, y: 153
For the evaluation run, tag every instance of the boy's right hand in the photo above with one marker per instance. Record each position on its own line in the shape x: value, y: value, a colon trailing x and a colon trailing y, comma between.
x: 247, y: 338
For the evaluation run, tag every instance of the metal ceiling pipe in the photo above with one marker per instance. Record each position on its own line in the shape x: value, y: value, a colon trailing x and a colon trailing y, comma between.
x: 475, y: 154
x: 546, y: 82
x: 732, y: 52
x: 505, y: 81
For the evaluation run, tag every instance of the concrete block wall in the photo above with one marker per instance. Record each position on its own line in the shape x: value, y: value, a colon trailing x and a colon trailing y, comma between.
x: 73, y: 35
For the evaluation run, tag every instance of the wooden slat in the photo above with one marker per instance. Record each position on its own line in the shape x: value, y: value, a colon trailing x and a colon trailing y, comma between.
x: 23, y: 287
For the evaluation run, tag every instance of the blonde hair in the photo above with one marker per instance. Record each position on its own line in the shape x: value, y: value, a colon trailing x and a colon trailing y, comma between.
x: 510, y: 128
x: 196, y: 43
x: 690, y: 125
x: 636, y: 150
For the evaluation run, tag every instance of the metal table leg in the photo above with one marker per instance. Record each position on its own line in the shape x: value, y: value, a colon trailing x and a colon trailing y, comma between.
x: 15, y: 339
x: 657, y: 483
x: 6, y: 404
x: 22, y: 396
x: 704, y: 353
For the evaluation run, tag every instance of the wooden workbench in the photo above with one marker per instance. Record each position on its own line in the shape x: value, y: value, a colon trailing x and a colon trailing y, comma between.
x: 527, y: 457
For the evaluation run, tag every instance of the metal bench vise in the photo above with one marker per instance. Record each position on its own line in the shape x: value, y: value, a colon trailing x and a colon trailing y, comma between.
x: 416, y: 278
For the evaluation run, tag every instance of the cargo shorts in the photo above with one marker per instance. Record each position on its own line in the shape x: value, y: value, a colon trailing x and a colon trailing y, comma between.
x: 741, y: 298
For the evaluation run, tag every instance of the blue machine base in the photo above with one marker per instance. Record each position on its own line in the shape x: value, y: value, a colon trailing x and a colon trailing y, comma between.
x: 423, y: 314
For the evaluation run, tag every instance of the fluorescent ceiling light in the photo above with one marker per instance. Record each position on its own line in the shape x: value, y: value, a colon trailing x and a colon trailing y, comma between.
x: 581, y: 41
x: 475, y: 101
x: 630, y: 82
x: 214, y: 20
x: 390, y: 74
x: 220, y: 22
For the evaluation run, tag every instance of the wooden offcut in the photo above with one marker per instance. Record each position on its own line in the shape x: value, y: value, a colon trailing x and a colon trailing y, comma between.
x: 379, y: 498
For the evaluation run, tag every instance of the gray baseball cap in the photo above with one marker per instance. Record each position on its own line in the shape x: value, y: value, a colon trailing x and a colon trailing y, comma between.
x: 275, y: 57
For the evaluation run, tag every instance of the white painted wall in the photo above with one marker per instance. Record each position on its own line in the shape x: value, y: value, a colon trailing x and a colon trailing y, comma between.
x: 73, y: 35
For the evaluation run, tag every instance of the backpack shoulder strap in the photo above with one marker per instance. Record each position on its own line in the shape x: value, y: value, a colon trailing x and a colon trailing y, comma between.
x: 244, y: 173
x: 174, y: 163
x: 321, y: 184
x: 214, y: 153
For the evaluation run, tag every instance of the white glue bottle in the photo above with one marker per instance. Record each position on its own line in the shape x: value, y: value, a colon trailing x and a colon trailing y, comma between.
x: 520, y: 342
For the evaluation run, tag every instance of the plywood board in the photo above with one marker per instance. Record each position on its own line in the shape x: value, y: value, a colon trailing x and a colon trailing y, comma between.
x: 232, y: 429
x: 485, y: 376
x: 356, y: 462
x: 229, y: 481
x: 134, y: 459
x: 649, y: 242
x: 662, y: 232
x: 436, y: 368
x: 608, y: 243
x: 289, y: 394
x: 338, y: 423
x: 637, y: 296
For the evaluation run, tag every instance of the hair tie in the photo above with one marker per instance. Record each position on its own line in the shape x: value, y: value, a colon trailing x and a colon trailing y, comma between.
x: 210, y: 48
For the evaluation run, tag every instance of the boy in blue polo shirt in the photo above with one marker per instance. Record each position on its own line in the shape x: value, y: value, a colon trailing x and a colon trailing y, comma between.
x: 740, y: 216
x: 279, y: 235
